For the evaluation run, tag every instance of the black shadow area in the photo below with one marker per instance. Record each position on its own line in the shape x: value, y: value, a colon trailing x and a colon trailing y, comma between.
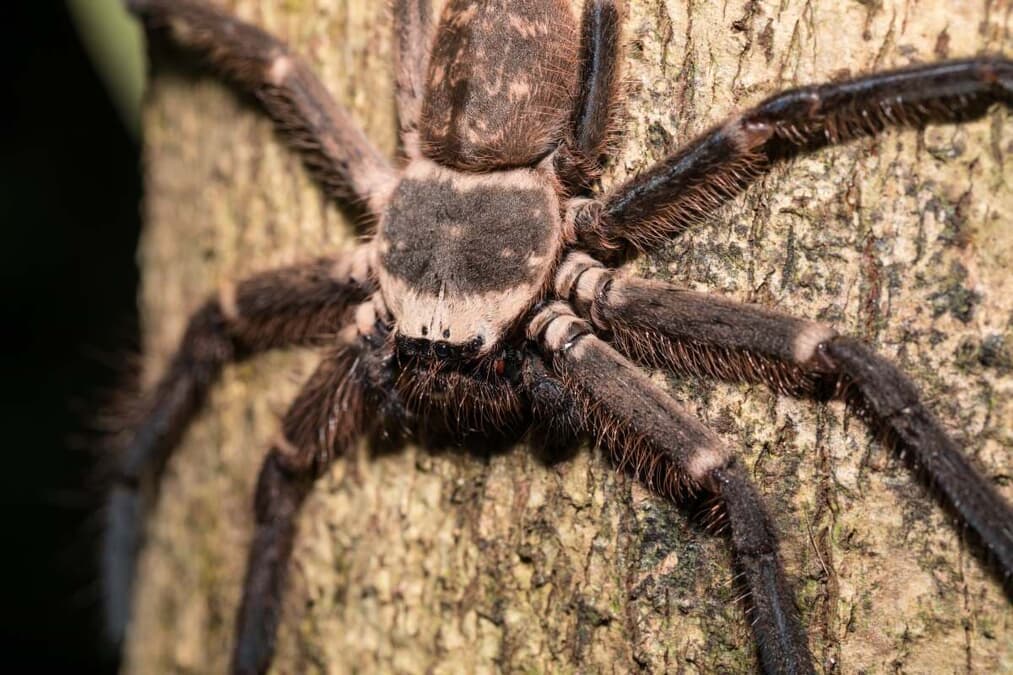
x: 69, y: 210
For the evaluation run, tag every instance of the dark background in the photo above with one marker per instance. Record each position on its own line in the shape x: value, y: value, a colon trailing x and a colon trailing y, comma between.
x: 69, y: 208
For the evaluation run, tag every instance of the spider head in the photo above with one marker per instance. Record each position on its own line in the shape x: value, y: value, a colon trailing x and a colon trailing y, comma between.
x: 439, y: 366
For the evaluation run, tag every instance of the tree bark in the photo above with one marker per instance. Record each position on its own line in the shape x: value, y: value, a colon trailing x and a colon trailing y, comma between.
x: 466, y: 561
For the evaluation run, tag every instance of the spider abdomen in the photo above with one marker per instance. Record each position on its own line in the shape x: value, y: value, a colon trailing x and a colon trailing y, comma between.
x: 501, y: 78
x: 462, y: 256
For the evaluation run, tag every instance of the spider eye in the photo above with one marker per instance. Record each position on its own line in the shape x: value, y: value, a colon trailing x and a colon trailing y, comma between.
x: 410, y: 347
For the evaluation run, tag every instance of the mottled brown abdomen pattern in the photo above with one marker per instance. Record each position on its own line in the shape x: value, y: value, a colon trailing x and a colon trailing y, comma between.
x: 501, y: 81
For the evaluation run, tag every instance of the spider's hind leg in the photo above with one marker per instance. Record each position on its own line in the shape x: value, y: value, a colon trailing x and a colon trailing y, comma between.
x: 674, y: 454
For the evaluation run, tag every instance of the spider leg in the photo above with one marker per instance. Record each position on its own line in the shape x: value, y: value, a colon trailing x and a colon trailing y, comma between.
x: 413, y: 34
x: 291, y: 306
x: 687, y: 186
x: 592, y: 126
x: 555, y: 420
x: 327, y: 416
x: 673, y: 453
x: 333, y: 146
x: 661, y: 325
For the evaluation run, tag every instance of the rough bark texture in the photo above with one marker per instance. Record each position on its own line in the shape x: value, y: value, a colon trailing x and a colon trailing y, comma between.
x: 462, y: 562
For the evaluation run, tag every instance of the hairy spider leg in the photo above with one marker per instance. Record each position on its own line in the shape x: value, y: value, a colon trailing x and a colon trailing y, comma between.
x: 894, y: 400
x: 328, y: 415
x: 687, y: 186
x: 671, y: 452
x: 413, y: 37
x: 663, y: 326
x: 335, y: 149
x: 593, y: 120
x: 291, y: 306
x: 692, y: 333
x: 593, y: 123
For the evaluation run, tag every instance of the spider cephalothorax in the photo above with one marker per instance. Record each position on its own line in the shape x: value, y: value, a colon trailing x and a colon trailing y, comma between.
x: 485, y: 300
x: 463, y: 256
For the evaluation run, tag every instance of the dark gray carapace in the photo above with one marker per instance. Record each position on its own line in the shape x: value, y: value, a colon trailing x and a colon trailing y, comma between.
x: 463, y: 256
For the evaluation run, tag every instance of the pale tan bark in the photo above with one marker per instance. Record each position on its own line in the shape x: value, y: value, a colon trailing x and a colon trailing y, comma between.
x: 457, y: 562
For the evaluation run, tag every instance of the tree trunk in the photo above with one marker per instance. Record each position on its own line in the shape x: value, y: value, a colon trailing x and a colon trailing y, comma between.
x: 462, y: 561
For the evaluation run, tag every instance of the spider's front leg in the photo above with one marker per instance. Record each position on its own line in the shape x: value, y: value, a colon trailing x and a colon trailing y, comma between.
x: 662, y: 325
x: 300, y: 305
x: 673, y: 453
x: 333, y: 147
x: 686, y: 187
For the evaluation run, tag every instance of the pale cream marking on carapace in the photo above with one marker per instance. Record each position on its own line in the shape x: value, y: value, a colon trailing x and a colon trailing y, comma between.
x: 443, y: 329
x: 538, y: 178
x: 536, y: 262
x: 377, y: 183
x: 456, y: 318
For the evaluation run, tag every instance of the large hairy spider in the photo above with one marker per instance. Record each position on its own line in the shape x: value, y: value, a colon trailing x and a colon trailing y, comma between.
x: 488, y: 300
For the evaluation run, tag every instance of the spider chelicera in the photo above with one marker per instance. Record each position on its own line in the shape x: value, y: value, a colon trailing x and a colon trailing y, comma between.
x: 488, y: 299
